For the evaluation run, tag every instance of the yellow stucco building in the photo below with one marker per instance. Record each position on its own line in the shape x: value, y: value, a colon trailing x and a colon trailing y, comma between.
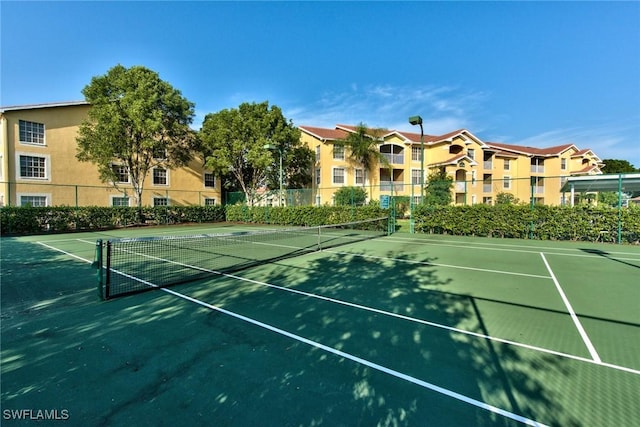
x: 480, y: 170
x: 38, y: 166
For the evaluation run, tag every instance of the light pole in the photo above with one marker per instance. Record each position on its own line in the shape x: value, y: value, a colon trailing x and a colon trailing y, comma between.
x: 274, y: 147
x: 417, y: 120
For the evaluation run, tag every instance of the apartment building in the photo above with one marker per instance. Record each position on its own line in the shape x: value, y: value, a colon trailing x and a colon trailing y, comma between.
x: 38, y: 166
x: 480, y: 170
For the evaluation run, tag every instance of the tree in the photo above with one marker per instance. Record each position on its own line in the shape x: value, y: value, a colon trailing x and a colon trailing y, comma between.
x: 506, y: 199
x: 363, y: 148
x: 618, y: 166
x: 234, y: 140
x: 350, y: 196
x: 136, y: 121
x: 438, y: 189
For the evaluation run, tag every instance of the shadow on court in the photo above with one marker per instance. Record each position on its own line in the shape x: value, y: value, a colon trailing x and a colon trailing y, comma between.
x: 607, y: 255
x: 155, y: 359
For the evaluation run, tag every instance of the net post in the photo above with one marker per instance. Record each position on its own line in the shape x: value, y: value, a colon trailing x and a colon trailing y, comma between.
x: 97, y: 263
x: 107, y: 284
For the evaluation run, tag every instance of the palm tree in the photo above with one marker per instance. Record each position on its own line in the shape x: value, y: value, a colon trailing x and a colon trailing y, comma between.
x: 363, y: 148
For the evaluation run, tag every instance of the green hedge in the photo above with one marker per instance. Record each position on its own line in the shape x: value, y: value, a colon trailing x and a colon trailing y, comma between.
x: 303, y: 215
x: 581, y: 223
x: 34, y: 220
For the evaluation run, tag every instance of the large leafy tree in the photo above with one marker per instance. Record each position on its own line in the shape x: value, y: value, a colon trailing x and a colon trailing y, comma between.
x: 618, y: 166
x: 234, y: 140
x: 438, y: 189
x: 363, y: 148
x: 138, y: 121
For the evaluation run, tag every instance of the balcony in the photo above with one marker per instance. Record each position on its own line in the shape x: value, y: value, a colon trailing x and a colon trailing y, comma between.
x: 487, y: 188
x: 391, y: 185
x: 460, y: 187
x: 537, y: 168
x: 488, y: 164
x: 397, y: 159
x: 538, y: 189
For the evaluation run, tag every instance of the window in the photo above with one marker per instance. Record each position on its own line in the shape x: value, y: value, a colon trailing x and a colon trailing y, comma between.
x: 160, y: 176
x: 506, y: 182
x: 317, y: 176
x: 563, y: 164
x: 31, y: 133
x: 159, y: 153
x: 209, y: 179
x: 415, y: 176
x: 507, y: 164
x: 121, y: 172
x: 160, y: 201
x: 33, y: 167
x: 359, y: 176
x: 416, y: 154
x: 338, y: 175
x: 208, y: 201
x: 471, y: 153
x: 33, y: 200
x: 338, y: 152
x: 317, y: 153
x: 119, y: 201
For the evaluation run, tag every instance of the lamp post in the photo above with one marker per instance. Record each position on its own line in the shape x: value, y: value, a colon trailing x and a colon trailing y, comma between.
x: 417, y: 120
x: 274, y: 147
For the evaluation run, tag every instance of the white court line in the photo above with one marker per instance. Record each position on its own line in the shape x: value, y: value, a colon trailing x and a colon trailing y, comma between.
x: 576, y: 321
x: 435, y: 264
x: 480, y: 245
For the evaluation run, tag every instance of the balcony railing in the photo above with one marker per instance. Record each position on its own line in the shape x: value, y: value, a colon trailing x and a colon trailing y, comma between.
x: 487, y: 188
x: 391, y: 185
x: 461, y: 187
x: 538, y: 189
x: 537, y: 168
x: 397, y: 159
x: 488, y: 164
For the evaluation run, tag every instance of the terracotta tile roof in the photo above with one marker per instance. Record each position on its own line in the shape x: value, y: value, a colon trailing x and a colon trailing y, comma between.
x: 454, y: 160
x: 548, y: 151
x: 586, y: 170
x: 324, y: 133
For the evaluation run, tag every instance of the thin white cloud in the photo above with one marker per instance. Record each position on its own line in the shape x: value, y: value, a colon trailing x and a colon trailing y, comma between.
x: 443, y: 108
x: 608, y: 141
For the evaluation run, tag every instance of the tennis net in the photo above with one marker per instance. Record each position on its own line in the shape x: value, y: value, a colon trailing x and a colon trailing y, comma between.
x: 135, y: 265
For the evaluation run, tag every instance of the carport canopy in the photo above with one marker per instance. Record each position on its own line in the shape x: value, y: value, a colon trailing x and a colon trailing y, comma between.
x: 625, y: 182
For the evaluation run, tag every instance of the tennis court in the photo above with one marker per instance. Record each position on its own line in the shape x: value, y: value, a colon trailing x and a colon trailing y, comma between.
x: 401, y: 330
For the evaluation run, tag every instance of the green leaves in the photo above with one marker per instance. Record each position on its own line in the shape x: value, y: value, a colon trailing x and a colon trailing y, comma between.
x: 234, y: 140
x: 134, y: 116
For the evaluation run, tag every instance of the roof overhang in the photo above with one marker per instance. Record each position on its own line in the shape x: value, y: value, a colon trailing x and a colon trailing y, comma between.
x: 627, y: 182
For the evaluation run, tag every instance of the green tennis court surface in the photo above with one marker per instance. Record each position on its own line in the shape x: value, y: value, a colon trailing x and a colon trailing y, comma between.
x: 403, y: 330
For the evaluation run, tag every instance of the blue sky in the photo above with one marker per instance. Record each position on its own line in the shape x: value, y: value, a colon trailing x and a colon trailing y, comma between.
x: 529, y: 73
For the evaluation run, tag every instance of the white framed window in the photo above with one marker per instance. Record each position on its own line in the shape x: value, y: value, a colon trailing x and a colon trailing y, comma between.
x: 31, y: 132
x: 474, y: 199
x: 209, y: 201
x: 415, y: 176
x: 160, y: 176
x: 473, y: 178
x: 506, y: 182
x: 33, y: 167
x: 119, y: 201
x: 35, y: 200
x: 338, y: 152
x: 563, y: 164
x: 317, y: 176
x: 360, y: 176
x: 121, y: 172
x: 416, y: 153
x: 209, y: 180
x: 471, y: 153
x: 160, y: 201
x: 338, y: 175
x: 507, y: 164
x: 317, y: 153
